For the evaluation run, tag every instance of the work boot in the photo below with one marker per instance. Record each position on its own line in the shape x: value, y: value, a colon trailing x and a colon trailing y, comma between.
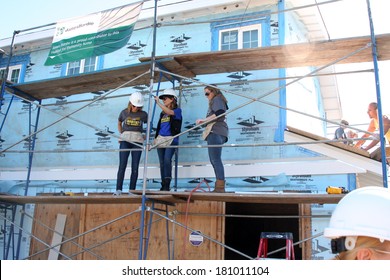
x: 165, y: 184
x: 219, y: 186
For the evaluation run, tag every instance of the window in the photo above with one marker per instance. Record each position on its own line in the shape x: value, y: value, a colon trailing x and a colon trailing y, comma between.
x: 82, y: 66
x: 13, y: 73
x: 240, y: 37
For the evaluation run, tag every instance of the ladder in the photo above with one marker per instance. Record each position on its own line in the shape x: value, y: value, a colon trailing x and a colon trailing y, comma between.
x: 263, y: 246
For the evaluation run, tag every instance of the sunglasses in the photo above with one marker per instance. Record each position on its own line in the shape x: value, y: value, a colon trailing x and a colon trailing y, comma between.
x: 165, y: 97
x: 207, y: 93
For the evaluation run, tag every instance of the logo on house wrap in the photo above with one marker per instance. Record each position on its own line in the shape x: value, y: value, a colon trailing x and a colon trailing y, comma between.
x: 195, y: 238
x: 180, y: 43
x: 1, y: 146
x: 136, y: 49
x: 250, y: 129
x: 103, y: 137
x: 193, y: 136
x: 255, y: 179
x: 100, y: 102
x: 29, y: 70
x: 63, y: 139
x: 27, y: 143
x: 239, y: 80
x: 61, y: 103
x: 26, y: 107
x: 274, y: 27
x: 199, y: 180
x: 144, y: 89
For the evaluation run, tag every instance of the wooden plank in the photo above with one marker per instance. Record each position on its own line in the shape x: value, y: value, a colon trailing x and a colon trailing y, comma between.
x: 335, y: 144
x: 189, y: 65
x: 305, y: 230
x: 179, y: 197
x: 272, y: 198
x: 318, y: 53
x: 57, y: 237
x: 80, y: 199
x: 84, y: 83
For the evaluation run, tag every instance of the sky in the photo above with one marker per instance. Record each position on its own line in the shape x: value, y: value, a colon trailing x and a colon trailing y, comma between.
x: 347, y: 18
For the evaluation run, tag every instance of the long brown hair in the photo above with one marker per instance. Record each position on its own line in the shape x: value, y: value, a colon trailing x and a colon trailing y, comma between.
x: 174, y: 103
x: 213, y: 88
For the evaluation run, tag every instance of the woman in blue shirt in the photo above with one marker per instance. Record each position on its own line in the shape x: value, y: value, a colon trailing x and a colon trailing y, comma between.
x: 169, y: 124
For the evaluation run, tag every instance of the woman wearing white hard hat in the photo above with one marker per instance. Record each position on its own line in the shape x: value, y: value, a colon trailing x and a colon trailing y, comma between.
x: 360, y: 225
x: 169, y: 125
x: 130, y: 126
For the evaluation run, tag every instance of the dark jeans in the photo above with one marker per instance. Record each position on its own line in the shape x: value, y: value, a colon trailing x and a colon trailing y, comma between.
x: 165, y: 158
x: 123, y: 158
x: 215, y: 154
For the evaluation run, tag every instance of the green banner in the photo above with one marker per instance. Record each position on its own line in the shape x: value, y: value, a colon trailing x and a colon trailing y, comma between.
x: 93, y: 35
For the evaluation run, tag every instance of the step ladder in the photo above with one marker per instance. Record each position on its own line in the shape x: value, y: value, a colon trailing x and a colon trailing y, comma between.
x: 263, y: 246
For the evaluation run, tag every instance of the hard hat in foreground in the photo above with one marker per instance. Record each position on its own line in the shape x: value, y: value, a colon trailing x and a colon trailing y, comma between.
x: 169, y: 92
x: 362, y: 212
x: 137, y: 99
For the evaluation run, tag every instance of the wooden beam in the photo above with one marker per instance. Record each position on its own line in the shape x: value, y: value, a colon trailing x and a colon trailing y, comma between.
x: 57, y: 237
x: 175, y: 197
x: 284, y: 56
x: 190, y: 65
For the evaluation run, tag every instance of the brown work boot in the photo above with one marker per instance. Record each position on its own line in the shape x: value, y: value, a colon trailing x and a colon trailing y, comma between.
x: 219, y: 186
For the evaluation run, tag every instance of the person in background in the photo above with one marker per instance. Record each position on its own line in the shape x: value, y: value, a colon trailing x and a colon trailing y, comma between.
x: 359, y: 227
x: 130, y: 126
x: 343, y: 133
x: 372, y: 112
x: 169, y: 124
x: 216, y: 132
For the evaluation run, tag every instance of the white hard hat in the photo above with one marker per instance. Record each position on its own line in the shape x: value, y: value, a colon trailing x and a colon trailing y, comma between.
x: 137, y: 99
x: 362, y: 212
x: 169, y: 92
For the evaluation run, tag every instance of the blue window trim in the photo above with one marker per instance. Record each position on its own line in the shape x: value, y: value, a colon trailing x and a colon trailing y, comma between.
x: 21, y: 60
x: 232, y: 22
x: 352, y: 182
x: 279, y: 133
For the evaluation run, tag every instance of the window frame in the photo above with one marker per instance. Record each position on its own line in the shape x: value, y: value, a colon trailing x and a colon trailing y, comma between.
x: 82, y: 66
x: 240, y: 31
x: 11, y: 69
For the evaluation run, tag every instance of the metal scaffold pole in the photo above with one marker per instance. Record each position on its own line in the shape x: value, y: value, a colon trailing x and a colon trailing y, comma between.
x: 147, y: 147
x: 378, y: 96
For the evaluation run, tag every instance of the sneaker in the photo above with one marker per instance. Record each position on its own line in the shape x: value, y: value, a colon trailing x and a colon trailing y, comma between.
x: 117, y: 192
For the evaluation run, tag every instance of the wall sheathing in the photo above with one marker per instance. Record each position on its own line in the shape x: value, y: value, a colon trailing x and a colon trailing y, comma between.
x: 118, y: 239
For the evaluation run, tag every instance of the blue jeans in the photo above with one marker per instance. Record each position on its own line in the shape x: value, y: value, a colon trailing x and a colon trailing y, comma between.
x: 215, y: 154
x: 165, y: 158
x: 123, y: 158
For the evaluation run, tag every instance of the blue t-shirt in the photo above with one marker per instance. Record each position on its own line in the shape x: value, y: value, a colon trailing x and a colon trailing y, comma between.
x: 165, y: 126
